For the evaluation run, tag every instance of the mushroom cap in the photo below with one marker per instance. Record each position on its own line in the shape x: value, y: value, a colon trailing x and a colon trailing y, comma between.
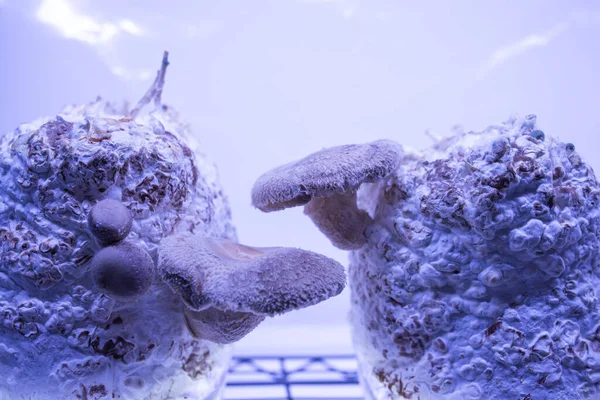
x: 229, y: 276
x: 219, y: 326
x: 110, y: 221
x: 334, y: 170
x: 123, y: 271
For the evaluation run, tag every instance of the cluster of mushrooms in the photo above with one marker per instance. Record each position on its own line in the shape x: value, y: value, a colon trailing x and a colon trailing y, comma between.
x: 473, y: 266
x: 121, y: 269
x: 453, y: 252
x: 228, y: 288
x: 121, y: 275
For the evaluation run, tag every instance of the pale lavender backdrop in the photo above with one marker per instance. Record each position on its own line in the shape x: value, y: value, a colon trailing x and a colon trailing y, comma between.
x: 266, y: 82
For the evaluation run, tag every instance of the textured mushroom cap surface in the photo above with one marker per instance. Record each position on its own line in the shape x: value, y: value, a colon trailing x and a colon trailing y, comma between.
x: 266, y: 281
x: 123, y: 270
x: 61, y: 336
x: 110, y: 221
x: 334, y: 170
x: 221, y: 326
x: 479, y: 278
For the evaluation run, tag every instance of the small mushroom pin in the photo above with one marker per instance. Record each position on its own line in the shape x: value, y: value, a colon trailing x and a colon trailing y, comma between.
x: 229, y: 288
x: 110, y: 221
x: 123, y: 271
x: 326, y: 183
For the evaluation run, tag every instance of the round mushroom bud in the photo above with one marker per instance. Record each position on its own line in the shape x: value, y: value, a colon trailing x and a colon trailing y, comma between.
x: 326, y: 183
x: 123, y: 271
x: 110, y: 221
x: 232, y: 287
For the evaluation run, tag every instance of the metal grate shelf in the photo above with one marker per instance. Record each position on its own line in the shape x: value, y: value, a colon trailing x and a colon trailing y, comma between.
x: 294, y: 377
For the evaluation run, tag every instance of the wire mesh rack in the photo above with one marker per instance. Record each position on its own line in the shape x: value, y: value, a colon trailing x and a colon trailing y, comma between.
x: 294, y: 377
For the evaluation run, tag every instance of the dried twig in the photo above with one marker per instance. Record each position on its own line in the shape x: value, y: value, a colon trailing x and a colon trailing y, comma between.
x: 436, y: 139
x: 155, y: 91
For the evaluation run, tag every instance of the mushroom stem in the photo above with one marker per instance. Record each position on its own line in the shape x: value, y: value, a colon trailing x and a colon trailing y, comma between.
x: 155, y: 91
x: 219, y: 326
x: 340, y: 219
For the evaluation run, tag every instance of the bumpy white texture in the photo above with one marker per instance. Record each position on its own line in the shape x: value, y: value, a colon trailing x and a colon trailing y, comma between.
x: 480, y: 273
x: 60, y: 337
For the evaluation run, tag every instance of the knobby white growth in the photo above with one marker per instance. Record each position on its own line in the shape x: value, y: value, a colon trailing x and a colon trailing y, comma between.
x: 120, y: 275
x: 67, y: 332
x: 480, y: 273
x: 475, y: 273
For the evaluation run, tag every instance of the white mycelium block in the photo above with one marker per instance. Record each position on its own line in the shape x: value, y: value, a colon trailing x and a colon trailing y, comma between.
x: 94, y: 304
x: 61, y: 338
x: 479, y: 273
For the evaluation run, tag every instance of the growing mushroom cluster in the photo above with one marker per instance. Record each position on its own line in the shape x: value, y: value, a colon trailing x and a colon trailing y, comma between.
x: 478, y: 274
x: 120, y: 273
x: 86, y: 198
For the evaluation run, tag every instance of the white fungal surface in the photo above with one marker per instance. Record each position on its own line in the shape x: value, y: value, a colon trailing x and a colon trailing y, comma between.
x: 60, y: 338
x: 480, y: 273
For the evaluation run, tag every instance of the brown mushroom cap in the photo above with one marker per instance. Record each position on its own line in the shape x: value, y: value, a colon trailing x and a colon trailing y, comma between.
x: 334, y: 170
x: 210, y: 272
x: 326, y: 183
x: 123, y: 271
x: 110, y: 221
